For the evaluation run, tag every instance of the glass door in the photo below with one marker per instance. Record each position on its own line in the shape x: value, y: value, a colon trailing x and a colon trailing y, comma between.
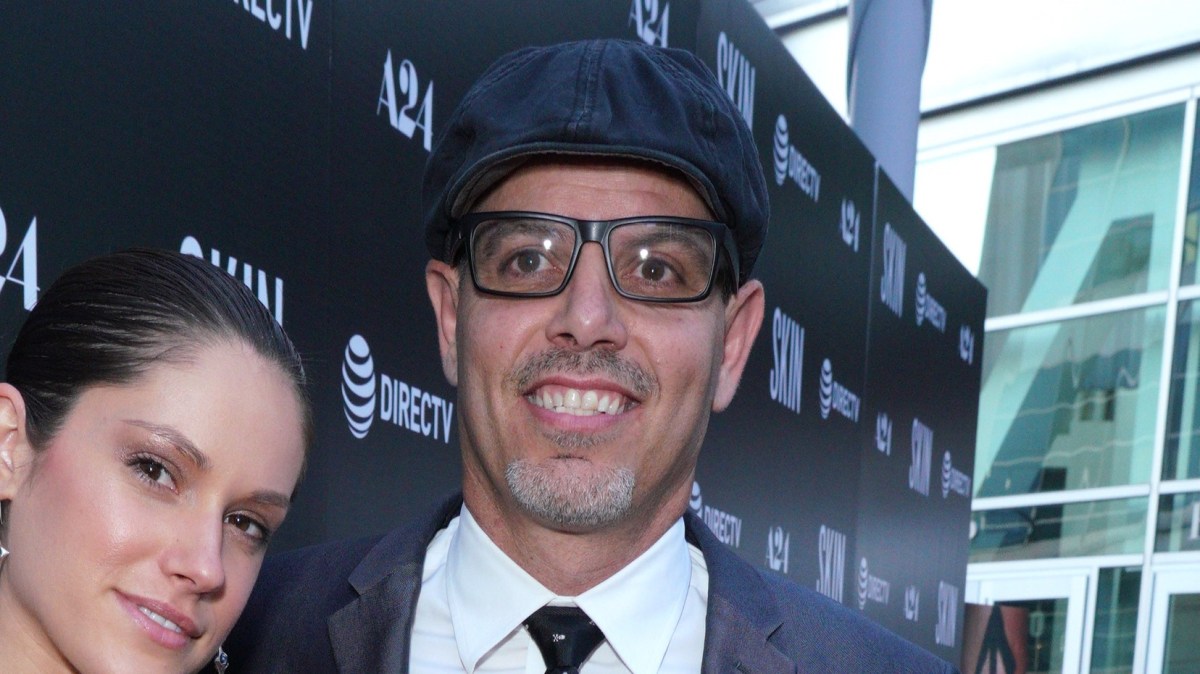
x: 1057, y: 604
x: 1175, y: 622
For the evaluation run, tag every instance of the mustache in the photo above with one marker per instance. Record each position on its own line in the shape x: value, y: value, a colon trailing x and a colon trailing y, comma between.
x: 597, y: 361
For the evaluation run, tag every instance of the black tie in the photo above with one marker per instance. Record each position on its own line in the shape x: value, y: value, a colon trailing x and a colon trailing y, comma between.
x: 565, y: 636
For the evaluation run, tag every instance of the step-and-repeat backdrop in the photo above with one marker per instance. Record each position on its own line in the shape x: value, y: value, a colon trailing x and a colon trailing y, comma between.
x: 283, y: 140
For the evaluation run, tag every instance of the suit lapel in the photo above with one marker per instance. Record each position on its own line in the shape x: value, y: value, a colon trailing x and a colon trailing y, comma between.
x: 743, y: 617
x: 371, y: 633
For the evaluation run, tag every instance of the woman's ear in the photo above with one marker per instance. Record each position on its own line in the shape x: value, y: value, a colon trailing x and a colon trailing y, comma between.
x: 15, y: 450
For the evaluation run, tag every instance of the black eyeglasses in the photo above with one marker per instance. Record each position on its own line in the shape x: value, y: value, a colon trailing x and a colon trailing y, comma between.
x: 649, y: 258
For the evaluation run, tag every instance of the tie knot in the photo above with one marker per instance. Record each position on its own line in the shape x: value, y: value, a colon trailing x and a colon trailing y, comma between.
x: 565, y: 636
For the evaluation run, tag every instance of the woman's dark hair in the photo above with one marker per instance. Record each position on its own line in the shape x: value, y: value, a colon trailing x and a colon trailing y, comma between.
x: 107, y: 321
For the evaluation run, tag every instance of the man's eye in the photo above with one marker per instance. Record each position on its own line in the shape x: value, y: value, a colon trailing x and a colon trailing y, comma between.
x: 527, y: 261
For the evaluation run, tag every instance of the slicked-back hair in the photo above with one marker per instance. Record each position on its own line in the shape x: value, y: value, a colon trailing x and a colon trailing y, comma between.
x: 108, y: 320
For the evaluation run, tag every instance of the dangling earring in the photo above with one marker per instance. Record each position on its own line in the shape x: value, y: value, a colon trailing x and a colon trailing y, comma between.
x: 221, y: 662
x: 3, y: 551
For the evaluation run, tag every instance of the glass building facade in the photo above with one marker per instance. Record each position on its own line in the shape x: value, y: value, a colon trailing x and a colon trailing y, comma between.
x: 1087, y: 484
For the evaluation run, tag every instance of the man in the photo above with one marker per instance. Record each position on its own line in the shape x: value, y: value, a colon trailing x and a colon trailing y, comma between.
x: 586, y: 375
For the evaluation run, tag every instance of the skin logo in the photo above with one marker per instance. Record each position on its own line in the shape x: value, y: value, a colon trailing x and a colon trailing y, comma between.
x: 26, y: 255
x: 778, y: 546
x: 849, y: 224
x: 863, y: 578
x: 787, y: 348
x: 650, y: 21
x: 268, y: 290
x: 831, y: 562
x: 781, y: 150
x: 826, y: 388
x: 736, y: 76
x: 696, y: 503
x: 891, y: 284
x: 358, y: 386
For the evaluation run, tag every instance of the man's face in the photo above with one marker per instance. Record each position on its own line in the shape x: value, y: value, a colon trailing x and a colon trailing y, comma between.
x: 583, y: 409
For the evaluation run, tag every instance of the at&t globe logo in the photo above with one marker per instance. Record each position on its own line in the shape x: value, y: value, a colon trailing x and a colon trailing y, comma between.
x: 781, y: 150
x: 826, y: 388
x: 696, y: 502
x: 358, y: 386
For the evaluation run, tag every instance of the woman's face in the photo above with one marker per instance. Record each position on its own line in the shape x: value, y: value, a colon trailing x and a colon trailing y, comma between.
x: 138, y: 532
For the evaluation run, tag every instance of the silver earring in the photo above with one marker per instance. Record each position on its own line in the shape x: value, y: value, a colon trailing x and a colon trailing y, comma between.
x: 3, y: 551
x: 221, y: 662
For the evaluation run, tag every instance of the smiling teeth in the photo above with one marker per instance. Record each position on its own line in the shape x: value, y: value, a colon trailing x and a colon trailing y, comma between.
x: 160, y: 620
x: 579, y: 403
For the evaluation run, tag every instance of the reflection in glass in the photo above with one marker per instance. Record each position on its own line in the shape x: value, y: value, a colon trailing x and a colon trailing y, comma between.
x: 1116, y: 620
x: 1047, y: 633
x: 1192, y: 216
x: 1181, y: 457
x: 1183, y: 626
x: 1060, y: 530
x: 1069, y: 405
x: 1178, y: 527
x: 1084, y: 214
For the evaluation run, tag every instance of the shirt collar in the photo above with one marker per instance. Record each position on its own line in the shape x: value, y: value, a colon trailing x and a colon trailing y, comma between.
x: 637, y: 608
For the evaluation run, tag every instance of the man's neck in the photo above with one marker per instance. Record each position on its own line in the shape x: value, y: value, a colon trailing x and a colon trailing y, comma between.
x: 569, y: 563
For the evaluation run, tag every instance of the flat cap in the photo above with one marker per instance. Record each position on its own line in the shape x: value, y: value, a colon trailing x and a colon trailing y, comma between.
x: 607, y: 98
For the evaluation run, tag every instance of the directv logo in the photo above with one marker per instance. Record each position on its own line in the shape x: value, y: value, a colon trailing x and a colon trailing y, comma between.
x: 399, y: 403
x: 953, y: 480
x: 871, y: 588
x: 836, y: 397
x: 789, y: 163
x: 696, y: 502
x: 927, y: 307
x: 726, y: 527
x: 358, y: 386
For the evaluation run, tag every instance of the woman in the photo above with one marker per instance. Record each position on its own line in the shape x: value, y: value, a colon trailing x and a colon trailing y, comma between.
x: 152, y: 432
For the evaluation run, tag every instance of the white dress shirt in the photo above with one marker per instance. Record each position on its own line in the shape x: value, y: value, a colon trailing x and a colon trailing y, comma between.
x: 474, y: 600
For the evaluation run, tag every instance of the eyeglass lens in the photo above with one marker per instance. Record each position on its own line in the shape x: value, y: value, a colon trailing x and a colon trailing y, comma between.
x: 648, y: 259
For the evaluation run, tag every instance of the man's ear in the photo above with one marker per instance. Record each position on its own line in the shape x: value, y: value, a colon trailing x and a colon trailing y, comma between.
x: 441, y: 280
x: 743, y: 318
x: 15, y: 450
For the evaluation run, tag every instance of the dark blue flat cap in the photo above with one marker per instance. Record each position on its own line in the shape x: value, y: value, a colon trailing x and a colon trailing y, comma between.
x: 607, y: 98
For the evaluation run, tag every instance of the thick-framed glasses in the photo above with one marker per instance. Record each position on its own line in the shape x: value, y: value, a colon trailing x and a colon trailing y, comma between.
x: 649, y: 258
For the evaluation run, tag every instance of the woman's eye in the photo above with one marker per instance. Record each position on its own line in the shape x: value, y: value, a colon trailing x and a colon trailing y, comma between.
x: 249, y: 526
x: 154, y: 471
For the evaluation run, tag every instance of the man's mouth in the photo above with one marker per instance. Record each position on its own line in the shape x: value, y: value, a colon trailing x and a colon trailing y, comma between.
x: 579, y: 402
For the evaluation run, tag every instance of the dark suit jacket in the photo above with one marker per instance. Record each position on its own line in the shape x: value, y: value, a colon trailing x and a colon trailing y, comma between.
x: 348, y: 607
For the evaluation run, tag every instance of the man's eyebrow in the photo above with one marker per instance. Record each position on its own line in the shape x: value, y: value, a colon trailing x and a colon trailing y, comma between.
x: 176, y: 439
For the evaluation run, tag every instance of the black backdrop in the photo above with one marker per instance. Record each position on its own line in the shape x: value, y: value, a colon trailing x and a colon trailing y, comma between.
x: 283, y: 140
